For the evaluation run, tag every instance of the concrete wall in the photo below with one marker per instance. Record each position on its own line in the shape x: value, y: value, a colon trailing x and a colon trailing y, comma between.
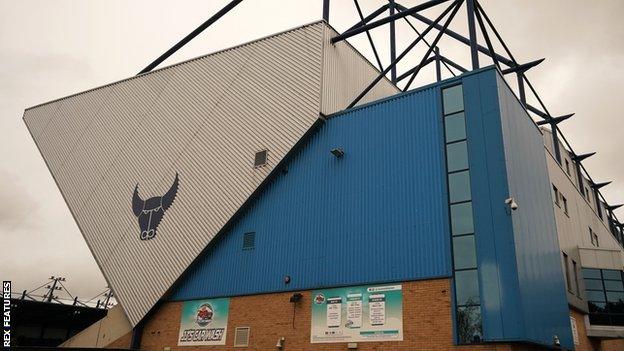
x: 104, y: 332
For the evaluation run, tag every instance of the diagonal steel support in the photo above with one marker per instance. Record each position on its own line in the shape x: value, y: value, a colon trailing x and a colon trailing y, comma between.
x: 406, y: 12
x: 402, y: 55
x: 370, y: 38
x: 192, y: 35
x: 433, y: 44
x: 368, y: 18
x: 458, y: 37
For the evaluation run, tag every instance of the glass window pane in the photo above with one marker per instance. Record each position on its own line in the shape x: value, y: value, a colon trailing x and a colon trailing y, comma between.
x: 611, y: 274
x: 615, y: 296
x: 455, y: 127
x: 457, y: 156
x: 597, y: 307
x: 461, y: 218
x: 464, y: 252
x: 595, y: 295
x: 453, y: 99
x: 459, y: 186
x: 593, y: 284
x: 469, y: 324
x: 614, y: 285
x: 591, y: 273
x: 467, y: 287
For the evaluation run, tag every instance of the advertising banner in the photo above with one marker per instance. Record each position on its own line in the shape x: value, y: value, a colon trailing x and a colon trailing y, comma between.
x: 360, y: 313
x: 204, y: 322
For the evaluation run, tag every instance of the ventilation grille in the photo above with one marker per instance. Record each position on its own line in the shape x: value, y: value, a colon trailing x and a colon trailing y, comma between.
x: 249, y: 241
x: 241, y: 337
x: 261, y: 158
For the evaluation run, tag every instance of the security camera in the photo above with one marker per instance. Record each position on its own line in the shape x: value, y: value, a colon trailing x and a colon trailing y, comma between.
x: 512, y: 203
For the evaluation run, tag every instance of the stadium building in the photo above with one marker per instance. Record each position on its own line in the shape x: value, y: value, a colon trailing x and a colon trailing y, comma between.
x: 268, y: 196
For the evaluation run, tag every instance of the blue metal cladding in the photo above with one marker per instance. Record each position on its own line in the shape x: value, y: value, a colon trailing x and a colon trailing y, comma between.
x: 540, y: 275
x: 377, y: 214
x: 523, y: 293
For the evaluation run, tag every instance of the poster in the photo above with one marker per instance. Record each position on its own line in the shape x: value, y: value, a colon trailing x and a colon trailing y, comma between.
x: 359, y: 313
x: 204, y: 322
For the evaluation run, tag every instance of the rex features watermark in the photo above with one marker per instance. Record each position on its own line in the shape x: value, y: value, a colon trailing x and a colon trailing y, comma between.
x: 6, y: 313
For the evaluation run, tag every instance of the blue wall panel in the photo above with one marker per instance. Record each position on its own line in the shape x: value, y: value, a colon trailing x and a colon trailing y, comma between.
x: 378, y: 214
x: 541, y: 278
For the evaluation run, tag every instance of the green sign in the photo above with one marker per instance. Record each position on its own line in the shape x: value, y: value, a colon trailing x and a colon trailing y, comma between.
x: 204, y: 322
x: 360, y: 313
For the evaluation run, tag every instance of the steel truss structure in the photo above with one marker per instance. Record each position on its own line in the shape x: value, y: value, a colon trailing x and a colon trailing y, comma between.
x: 478, y: 22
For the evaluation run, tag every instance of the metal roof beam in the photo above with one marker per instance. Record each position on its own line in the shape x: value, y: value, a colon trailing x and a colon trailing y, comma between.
x: 523, y: 67
x: 581, y: 157
x: 406, y: 12
x: 455, y: 5
x: 458, y: 37
x: 192, y: 35
x: 597, y: 186
x: 555, y: 120
x: 369, y: 17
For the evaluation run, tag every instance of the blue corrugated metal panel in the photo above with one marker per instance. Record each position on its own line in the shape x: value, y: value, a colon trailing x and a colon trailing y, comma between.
x: 377, y: 214
x: 502, y: 312
x: 540, y: 274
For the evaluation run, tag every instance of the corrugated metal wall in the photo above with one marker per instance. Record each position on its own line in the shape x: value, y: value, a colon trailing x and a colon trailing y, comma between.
x: 378, y: 214
x: 540, y: 276
x: 204, y: 119
x: 342, y: 60
x: 521, y: 282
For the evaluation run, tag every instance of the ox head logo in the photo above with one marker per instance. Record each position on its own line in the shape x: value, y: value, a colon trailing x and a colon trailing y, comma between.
x: 151, y: 211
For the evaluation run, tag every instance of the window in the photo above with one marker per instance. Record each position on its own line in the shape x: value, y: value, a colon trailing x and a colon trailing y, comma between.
x: 556, y: 194
x: 587, y: 195
x: 260, y: 158
x: 249, y: 241
x: 567, y: 166
x: 565, y: 204
x: 604, y: 290
x: 594, y: 238
x: 241, y: 337
x: 465, y: 270
x: 566, y: 266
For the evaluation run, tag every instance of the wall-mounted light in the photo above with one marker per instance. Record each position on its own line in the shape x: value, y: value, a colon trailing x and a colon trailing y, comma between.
x: 286, y: 279
x: 296, y: 297
x: 556, y: 340
x: 280, y: 343
x: 338, y: 152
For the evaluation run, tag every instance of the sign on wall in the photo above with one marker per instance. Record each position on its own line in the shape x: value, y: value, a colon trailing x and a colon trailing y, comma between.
x: 360, y: 313
x: 204, y: 322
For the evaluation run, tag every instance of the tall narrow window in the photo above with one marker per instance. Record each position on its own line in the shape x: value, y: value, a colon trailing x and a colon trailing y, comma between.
x: 556, y: 194
x: 567, y: 166
x: 465, y: 270
x: 566, y: 267
x: 564, y: 201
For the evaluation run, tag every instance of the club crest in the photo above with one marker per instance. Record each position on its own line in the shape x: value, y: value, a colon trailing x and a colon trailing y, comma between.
x: 151, y: 211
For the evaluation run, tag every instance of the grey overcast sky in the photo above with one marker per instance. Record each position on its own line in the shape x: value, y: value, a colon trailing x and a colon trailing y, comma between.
x: 53, y: 48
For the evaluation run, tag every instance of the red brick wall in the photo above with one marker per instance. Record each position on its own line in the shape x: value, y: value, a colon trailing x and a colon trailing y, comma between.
x: 121, y: 343
x: 427, y: 323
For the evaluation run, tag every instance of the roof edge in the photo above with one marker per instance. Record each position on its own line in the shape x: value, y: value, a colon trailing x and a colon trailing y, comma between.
x: 253, y: 41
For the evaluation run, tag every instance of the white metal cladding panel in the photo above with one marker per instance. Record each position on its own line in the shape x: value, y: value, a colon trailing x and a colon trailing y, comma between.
x: 71, y: 121
x: 346, y: 73
x: 204, y: 119
x: 106, y: 138
x: 37, y: 119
